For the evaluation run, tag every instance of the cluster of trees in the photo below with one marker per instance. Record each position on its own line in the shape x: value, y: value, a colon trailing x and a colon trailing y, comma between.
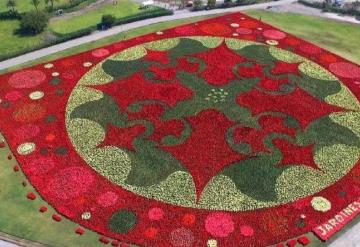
x: 32, y: 22
x: 11, y: 4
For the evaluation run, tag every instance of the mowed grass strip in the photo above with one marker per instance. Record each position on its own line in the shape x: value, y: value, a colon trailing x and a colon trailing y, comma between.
x: 26, y: 5
x: 10, y: 42
x: 341, y: 38
x: 121, y: 9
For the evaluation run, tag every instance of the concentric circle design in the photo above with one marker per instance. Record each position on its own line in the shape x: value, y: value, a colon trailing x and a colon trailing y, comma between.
x: 212, y: 133
x: 183, y: 97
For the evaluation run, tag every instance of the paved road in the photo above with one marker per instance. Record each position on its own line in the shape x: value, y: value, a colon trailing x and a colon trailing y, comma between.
x: 351, y: 238
x: 118, y: 29
x: 7, y: 244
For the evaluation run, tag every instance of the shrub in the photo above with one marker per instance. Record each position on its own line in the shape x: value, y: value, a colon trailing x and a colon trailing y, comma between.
x: 154, y: 12
x: 10, y: 15
x: 108, y: 20
x: 328, y: 7
x: 33, y: 22
x: 198, y: 4
x: 211, y: 3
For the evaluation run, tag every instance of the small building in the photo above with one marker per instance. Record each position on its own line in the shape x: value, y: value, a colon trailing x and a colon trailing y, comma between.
x: 146, y: 4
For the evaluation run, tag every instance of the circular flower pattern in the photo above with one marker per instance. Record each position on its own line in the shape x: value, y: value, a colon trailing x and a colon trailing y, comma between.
x: 182, y: 237
x: 13, y: 95
x: 27, y: 79
x: 274, y: 34
x: 243, y: 30
x: 272, y: 42
x: 26, y: 148
x: 156, y: 214
x: 107, y: 199
x: 87, y: 64
x: 246, y: 231
x: 48, y: 66
x: 29, y: 113
x: 165, y: 141
x: 219, y: 224
x: 36, y: 95
x: 70, y: 182
x: 321, y: 204
x: 102, y: 52
x: 26, y: 132
x: 86, y: 216
x: 40, y: 166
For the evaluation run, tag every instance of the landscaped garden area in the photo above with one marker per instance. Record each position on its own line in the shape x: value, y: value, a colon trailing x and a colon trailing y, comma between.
x: 211, y: 133
x: 29, y: 25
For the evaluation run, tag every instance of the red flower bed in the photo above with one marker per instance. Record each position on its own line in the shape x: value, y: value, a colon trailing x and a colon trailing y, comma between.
x: 241, y: 136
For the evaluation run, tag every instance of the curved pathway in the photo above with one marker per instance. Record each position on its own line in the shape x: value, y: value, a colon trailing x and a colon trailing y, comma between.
x: 118, y: 29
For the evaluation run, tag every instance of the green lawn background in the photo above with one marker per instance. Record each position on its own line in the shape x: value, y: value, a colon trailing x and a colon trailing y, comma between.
x: 122, y: 9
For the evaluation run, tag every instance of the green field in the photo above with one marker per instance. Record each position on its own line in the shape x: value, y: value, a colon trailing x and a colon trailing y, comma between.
x: 323, y: 32
x: 339, y: 37
x: 122, y: 9
x: 22, y: 217
x: 26, y: 5
x: 10, y: 42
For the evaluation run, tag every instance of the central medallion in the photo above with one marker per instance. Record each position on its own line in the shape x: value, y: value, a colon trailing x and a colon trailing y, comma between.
x: 212, y: 123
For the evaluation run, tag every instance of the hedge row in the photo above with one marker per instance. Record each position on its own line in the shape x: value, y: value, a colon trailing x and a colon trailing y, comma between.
x: 155, y: 12
x: 229, y: 4
x: 10, y: 15
x: 330, y: 8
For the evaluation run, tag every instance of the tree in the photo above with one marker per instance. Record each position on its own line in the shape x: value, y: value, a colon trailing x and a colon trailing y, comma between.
x: 227, y: 3
x: 107, y: 20
x: 33, y: 22
x: 183, y: 4
x: 211, y: 3
x: 355, y: 5
x: 11, y: 4
x: 36, y: 4
x: 51, y: 2
x: 198, y: 4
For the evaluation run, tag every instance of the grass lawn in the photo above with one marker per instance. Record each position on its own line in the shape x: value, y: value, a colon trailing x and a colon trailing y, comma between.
x: 122, y: 9
x: 21, y: 217
x: 10, y: 42
x: 323, y: 32
x: 338, y: 37
x: 26, y: 5
x: 109, y: 40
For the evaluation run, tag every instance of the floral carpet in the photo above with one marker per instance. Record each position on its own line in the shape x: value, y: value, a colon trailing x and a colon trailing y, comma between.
x: 225, y: 132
